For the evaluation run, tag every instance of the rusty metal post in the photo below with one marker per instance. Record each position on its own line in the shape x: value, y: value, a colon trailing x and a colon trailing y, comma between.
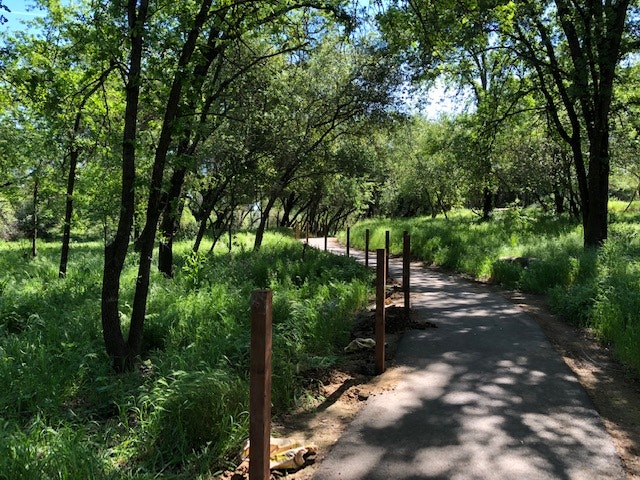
x: 366, y: 248
x: 348, y: 240
x: 260, y: 384
x: 380, y: 312
x: 406, y: 271
x: 386, y: 247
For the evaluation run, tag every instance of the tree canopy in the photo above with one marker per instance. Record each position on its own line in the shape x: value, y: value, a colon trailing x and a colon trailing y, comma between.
x: 139, y: 122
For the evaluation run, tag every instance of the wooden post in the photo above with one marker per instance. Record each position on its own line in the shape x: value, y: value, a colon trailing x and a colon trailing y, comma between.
x: 406, y: 271
x: 307, y: 233
x: 326, y: 234
x: 260, y: 385
x: 348, y: 240
x: 386, y: 247
x: 366, y: 248
x: 380, y: 312
x: 297, y: 231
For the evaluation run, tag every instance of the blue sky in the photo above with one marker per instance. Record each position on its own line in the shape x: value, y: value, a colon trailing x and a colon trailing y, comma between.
x: 20, y: 11
x: 439, y: 100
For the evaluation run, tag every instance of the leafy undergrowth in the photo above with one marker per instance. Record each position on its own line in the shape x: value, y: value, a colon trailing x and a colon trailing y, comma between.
x: 536, y: 252
x: 183, y: 412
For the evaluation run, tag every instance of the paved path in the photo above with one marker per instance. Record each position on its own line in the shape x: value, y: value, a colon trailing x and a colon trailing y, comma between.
x: 483, y: 396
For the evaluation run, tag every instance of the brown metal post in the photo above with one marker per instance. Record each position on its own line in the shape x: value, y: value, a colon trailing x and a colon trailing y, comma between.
x: 348, y: 240
x: 260, y: 385
x: 406, y: 271
x: 380, y: 312
x: 386, y: 247
x: 366, y: 247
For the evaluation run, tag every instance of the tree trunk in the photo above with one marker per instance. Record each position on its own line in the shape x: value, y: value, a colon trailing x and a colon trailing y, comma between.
x: 487, y: 203
x: 68, y: 213
x: 558, y: 200
x: 201, y: 230
x: 287, y: 206
x: 116, y: 251
x: 34, y: 233
x: 148, y: 235
x: 263, y: 222
x: 170, y: 222
x: 597, y: 217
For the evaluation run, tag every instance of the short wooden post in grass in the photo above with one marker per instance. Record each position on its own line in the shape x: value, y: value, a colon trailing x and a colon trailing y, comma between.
x: 381, y: 281
x: 386, y: 247
x: 406, y: 271
x: 366, y: 247
x: 260, y: 385
x: 297, y: 229
x: 348, y: 240
x: 307, y: 232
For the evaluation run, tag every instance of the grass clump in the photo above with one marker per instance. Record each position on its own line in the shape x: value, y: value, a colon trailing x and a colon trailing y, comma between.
x: 183, y: 413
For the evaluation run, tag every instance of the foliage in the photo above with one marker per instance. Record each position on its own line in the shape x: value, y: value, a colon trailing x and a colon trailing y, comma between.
x: 536, y: 252
x: 183, y: 412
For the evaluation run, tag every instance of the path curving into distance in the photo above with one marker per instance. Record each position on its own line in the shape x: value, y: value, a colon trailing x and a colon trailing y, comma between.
x: 483, y: 396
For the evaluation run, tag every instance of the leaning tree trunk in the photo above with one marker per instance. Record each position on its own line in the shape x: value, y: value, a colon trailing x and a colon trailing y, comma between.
x: 116, y: 251
x: 147, y: 237
x: 263, y: 222
x: 68, y: 213
x: 288, y: 202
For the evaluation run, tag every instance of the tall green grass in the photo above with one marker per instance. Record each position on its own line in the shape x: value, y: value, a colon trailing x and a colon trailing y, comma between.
x: 183, y: 414
x: 599, y: 289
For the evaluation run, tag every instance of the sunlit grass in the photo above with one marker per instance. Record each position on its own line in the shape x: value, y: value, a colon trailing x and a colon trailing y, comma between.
x: 65, y: 414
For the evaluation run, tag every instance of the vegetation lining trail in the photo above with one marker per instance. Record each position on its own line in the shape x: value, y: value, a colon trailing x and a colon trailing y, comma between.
x: 182, y: 414
x: 596, y: 289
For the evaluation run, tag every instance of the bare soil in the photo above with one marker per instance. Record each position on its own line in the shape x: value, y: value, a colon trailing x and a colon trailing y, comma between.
x: 338, y: 394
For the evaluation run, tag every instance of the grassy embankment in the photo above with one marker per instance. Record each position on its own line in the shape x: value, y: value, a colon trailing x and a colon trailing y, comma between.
x: 599, y: 290
x: 63, y: 412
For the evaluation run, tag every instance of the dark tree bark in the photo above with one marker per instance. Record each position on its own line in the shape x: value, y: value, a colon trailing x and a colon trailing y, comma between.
x: 594, y: 39
x: 558, y: 200
x: 170, y: 222
x: 34, y: 232
x: 68, y: 212
x: 116, y: 251
x: 487, y: 203
x: 264, y: 217
x: 74, y: 154
x: 147, y: 237
x: 288, y: 202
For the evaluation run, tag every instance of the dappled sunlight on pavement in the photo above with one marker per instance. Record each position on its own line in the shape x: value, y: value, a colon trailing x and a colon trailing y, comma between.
x: 484, y: 396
